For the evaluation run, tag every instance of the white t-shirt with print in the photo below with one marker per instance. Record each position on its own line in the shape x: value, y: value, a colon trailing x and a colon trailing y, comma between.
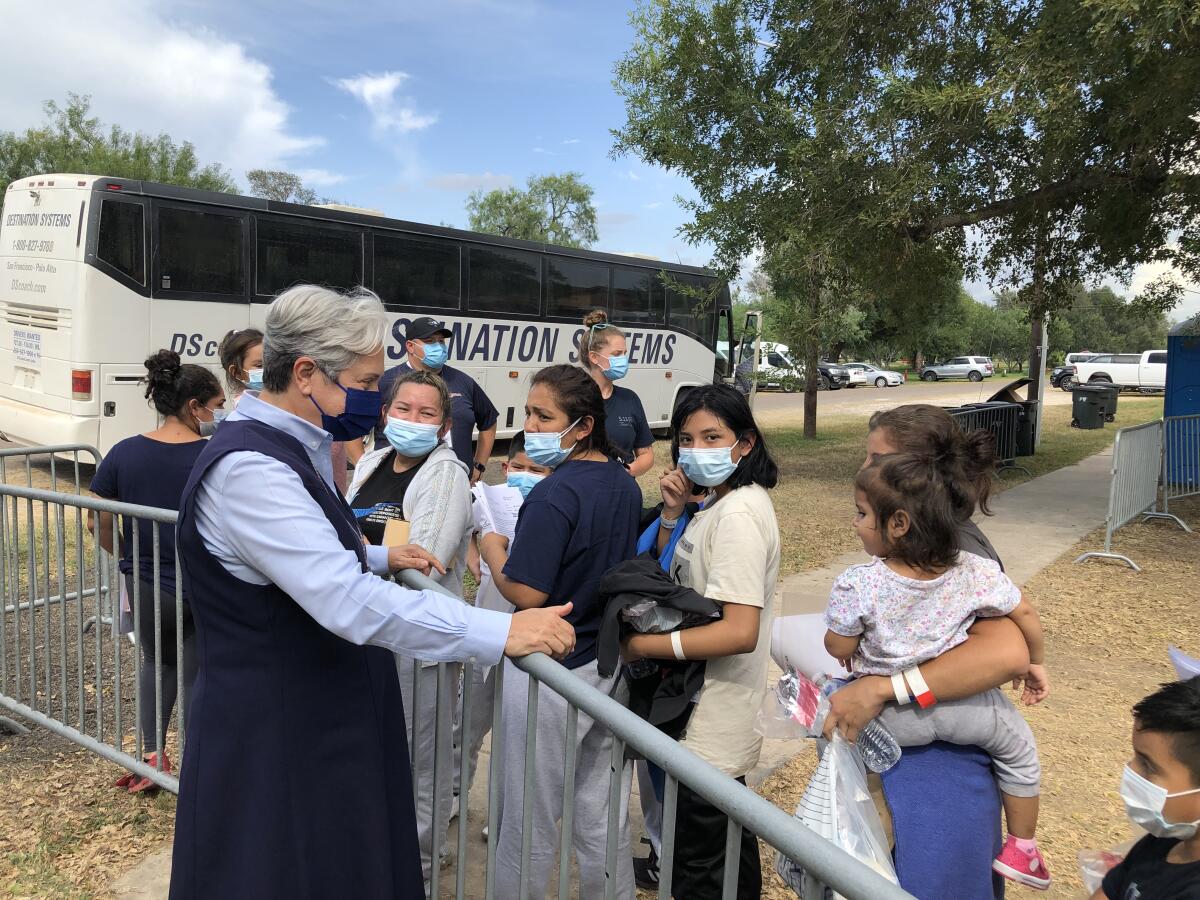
x: 730, y: 554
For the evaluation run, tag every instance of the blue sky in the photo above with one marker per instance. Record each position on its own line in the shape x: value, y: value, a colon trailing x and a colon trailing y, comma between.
x: 403, y: 107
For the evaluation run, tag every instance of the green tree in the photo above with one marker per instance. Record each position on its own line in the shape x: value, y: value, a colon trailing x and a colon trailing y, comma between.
x: 553, y: 209
x: 72, y: 140
x: 274, y: 184
x: 1063, y: 133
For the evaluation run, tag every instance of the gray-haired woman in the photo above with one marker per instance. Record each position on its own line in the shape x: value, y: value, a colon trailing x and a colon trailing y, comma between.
x: 295, y: 782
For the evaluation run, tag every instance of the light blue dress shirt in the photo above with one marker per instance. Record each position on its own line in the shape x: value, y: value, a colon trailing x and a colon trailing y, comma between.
x: 256, y: 517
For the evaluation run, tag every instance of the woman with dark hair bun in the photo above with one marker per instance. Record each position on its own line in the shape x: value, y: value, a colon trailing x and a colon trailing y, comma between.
x: 574, y: 526
x: 151, y: 470
x: 729, y: 552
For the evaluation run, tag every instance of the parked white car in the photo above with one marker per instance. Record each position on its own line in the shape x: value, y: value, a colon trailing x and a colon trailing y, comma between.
x: 865, y: 373
x: 1145, y: 371
x: 777, y: 370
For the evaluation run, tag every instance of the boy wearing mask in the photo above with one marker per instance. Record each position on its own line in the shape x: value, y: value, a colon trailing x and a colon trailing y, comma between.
x: 1161, y: 790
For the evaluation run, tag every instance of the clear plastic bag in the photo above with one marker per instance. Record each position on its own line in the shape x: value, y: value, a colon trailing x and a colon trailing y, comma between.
x: 647, y: 617
x: 838, y: 806
x: 794, y: 708
x: 1094, y: 864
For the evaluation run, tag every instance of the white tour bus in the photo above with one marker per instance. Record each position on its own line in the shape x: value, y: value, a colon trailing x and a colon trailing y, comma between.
x: 103, y: 271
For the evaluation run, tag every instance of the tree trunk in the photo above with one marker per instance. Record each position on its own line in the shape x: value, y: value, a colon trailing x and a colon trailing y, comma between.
x: 812, y: 347
x: 1037, y: 312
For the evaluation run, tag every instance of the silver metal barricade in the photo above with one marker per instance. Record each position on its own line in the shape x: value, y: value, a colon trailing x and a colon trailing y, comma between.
x: 60, y: 461
x: 744, y: 807
x: 1002, y: 421
x: 1181, y: 458
x: 60, y: 667
x: 1137, y: 461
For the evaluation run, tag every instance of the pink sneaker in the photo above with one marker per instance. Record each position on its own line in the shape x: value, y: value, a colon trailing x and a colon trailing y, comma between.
x: 1024, y: 868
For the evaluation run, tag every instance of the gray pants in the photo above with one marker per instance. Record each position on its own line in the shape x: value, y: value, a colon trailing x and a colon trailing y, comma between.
x: 419, y: 709
x: 592, y: 770
x: 987, y: 720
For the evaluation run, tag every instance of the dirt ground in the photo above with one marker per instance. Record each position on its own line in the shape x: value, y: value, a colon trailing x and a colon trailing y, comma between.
x: 1107, y: 631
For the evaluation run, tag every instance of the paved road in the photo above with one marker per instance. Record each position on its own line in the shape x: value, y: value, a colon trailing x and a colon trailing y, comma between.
x: 776, y: 407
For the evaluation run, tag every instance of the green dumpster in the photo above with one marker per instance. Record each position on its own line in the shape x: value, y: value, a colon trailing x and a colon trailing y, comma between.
x: 1088, y: 406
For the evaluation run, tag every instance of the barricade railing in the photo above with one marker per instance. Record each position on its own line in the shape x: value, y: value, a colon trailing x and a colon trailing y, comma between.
x: 1133, y: 491
x: 1181, y: 458
x: 1003, y: 420
x: 745, y: 809
x: 61, y: 460
x: 60, y: 668
x: 90, y: 688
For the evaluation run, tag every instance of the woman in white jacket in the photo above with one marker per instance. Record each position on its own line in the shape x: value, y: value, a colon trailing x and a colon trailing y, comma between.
x: 418, y: 479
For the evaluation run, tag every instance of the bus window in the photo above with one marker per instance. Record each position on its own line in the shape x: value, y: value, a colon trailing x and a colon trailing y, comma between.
x: 574, y: 287
x: 121, y: 242
x: 298, y: 253
x: 504, y: 281
x: 412, y: 272
x: 200, y: 252
x: 693, y: 314
x: 637, y: 296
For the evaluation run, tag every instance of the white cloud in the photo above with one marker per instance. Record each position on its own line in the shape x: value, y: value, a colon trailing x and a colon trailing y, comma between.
x: 465, y: 181
x: 655, y: 205
x: 545, y: 151
x: 150, y: 74
x: 321, y: 177
x: 1188, y: 306
x: 389, y: 112
x: 571, y: 141
x: 615, y: 219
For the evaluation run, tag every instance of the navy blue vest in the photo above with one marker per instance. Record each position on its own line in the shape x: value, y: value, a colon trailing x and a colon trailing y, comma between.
x: 295, y: 781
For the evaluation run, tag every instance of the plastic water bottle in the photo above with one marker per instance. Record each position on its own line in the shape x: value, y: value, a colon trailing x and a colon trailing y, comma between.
x: 875, y: 744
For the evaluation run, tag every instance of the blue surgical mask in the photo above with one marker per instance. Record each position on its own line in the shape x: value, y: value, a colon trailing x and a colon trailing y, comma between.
x: 254, y: 380
x: 707, y: 467
x: 523, y: 481
x: 543, y: 447
x: 618, y: 367
x: 209, y: 428
x: 411, y: 439
x: 435, y: 355
x: 1144, y: 802
x: 358, y: 418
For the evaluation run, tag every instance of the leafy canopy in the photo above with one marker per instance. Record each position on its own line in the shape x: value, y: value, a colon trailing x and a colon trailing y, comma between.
x: 553, y: 209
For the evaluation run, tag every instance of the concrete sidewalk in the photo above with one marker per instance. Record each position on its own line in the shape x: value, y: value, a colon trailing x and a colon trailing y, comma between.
x: 1033, y: 524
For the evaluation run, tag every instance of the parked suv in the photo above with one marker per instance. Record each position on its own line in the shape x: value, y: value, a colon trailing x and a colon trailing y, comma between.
x: 833, y: 377
x: 972, y: 368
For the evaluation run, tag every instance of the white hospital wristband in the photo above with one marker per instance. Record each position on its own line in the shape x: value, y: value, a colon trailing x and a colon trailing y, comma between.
x: 900, y: 690
x: 677, y: 645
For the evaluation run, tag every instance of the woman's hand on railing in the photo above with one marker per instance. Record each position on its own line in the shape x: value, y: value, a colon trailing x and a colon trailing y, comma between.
x: 543, y: 630
x: 410, y: 556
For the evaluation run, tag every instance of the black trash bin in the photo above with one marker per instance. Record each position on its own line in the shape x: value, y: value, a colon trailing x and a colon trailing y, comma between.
x: 1111, y: 393
x: 1088, y: 406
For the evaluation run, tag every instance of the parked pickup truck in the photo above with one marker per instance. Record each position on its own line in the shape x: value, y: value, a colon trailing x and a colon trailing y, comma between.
x: 1145, y: 371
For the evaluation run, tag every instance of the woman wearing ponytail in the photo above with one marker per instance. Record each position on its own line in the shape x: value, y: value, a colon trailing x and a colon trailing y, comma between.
x: 241, y: 355
x: 419, y: 480
x: 604, y: 353
x: 152, y: 469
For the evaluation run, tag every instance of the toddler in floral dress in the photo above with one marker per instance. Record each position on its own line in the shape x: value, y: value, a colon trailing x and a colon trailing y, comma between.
x: 914, y: 602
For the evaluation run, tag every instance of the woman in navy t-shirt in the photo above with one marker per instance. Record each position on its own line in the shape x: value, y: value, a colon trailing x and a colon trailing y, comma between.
x: 574, y: 526
x: 603, y: 352
x: 151, y: 470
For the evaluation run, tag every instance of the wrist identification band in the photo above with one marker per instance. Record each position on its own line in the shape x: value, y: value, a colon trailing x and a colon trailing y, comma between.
x: 677, y: 645
x: 920, y: 689
x: 900, y: 690
x: 667, y: 524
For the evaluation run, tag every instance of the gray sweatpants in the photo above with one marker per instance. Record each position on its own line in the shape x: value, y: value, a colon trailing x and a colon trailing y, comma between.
x: 987, y: 720
x: 419, y: 708
x: 592, y: 770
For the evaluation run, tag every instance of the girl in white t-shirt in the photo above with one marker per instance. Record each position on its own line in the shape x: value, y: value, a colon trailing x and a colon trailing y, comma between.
x: 730, y: 554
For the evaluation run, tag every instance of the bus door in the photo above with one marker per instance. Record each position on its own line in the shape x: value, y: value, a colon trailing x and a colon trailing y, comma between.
x: 745, y: 377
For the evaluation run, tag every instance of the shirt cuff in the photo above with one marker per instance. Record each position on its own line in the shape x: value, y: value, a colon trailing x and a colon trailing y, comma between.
x: 377, y: 559
x: 487, y: 633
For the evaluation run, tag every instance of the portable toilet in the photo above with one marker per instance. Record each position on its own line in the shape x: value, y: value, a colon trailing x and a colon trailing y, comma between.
x: 1183, y: 399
